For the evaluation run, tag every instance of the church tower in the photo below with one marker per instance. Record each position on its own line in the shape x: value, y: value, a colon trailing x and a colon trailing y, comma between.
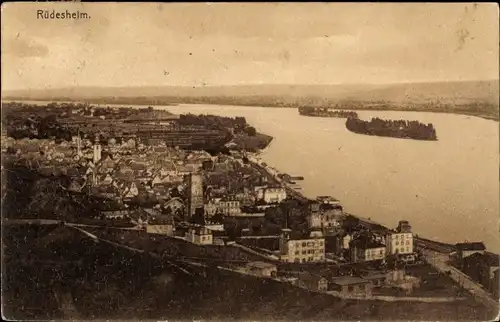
x: 97, y: 150
x: 195, y: 191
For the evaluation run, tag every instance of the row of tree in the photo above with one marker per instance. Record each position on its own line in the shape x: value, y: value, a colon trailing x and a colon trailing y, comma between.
x: 325, y: 112
x: 238, y: 124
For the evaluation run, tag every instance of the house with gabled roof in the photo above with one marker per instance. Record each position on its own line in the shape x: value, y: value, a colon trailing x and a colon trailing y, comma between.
x: 174, y: 204
x: 365, y: 248
x: 107, y: 163
x: 313, y: 282
x: 483, y: 268
x: 130, y: 191
x: 106, y: 179
x: 469, y: 248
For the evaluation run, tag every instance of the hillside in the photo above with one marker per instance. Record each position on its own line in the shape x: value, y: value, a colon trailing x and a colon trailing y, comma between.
x: 467, y: 90
x: 327, y: 91
x: 59, y: 273
x: 444, y: 92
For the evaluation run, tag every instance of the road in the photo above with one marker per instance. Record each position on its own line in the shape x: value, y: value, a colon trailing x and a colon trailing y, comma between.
x: 399, y: 298
x: 439, y: 261
x: 31, y: 222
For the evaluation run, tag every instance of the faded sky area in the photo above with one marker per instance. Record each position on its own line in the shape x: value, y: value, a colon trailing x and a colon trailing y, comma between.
x: 136, y: 44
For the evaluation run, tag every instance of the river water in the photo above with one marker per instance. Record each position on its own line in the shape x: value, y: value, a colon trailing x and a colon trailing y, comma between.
x: 448, y: 189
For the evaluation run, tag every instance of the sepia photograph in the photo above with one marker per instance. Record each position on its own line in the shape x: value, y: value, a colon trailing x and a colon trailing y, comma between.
x: 250, y: 161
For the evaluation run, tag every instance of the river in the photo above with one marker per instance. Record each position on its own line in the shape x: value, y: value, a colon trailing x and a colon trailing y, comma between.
x: 448, y: 189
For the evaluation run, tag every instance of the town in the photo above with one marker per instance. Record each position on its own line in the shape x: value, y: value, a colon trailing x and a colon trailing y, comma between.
x: 206, y: 201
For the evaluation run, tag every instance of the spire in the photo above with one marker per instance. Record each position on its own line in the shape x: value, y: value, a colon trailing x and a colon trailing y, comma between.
x: 78, y: 143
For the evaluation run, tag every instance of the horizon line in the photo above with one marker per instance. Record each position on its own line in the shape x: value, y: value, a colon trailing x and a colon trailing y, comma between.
x: 258, y: 84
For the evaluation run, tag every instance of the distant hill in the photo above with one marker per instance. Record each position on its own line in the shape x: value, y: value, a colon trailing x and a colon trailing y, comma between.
x: 328, y: 91
x: 467, y: 90
x: 444, y: 92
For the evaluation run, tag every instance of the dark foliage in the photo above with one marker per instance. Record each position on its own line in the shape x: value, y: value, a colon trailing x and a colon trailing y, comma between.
x: 392, y: 128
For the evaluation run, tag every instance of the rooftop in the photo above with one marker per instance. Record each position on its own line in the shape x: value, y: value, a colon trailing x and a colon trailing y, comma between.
x: 260, y: 265
x: 374, y: 276
x: 488, y: 258
x: 327, y: 199
x: 470, y: 246
x: 349, y: 280
x: 314, y: 278
x: 366, y: 242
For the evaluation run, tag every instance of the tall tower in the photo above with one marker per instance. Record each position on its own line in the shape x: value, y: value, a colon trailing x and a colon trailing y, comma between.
x: 97, y: 150
x: 195, y: 191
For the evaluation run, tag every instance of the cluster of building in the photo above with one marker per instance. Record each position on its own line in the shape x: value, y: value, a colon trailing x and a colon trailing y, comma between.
x: 121, y: 172
x: 190, y: 184
x: 480, y: 265
x: 326, y: 223
x: 362, y: 285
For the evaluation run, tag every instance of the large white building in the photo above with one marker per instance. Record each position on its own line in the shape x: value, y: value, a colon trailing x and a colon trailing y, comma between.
x: 324, y: 215
x: 200, y: 235
x: 400, y: 241
x: 222, y: 206
x: 364, y: 249
x: 271, y: 194
x: 307, y: 250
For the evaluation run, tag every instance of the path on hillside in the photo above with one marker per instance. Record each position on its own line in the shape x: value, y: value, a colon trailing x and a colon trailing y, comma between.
x: 399, y: 298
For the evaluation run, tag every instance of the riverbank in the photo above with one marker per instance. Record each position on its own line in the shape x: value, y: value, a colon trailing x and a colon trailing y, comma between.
x: 489, y: 111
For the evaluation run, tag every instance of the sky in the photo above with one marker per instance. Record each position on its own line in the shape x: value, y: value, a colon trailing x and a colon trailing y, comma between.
x: 139, y: 44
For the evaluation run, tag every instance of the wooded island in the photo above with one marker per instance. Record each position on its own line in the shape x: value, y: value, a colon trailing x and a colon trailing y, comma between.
x: 392, y: 128
x: 325, y: 112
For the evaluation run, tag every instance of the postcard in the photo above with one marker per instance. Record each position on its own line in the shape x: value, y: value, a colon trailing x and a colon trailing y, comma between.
x: 250, y: 161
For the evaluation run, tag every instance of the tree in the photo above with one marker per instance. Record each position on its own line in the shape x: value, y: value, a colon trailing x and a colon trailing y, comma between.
x: 251, y: 131
x: 175, y: 193
x: 198, y: 217
x: 218, y: 218
x: 275, y: 215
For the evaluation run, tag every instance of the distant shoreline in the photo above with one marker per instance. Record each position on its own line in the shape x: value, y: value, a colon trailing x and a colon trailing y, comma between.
x: 214, y: 101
